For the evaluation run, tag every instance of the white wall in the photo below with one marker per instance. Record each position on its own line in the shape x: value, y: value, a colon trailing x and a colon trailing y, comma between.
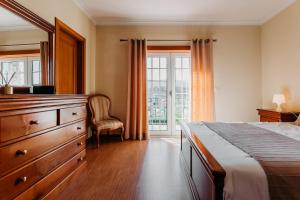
x: 236, y: 60
x: 69, y: 13
x: 281, y: 57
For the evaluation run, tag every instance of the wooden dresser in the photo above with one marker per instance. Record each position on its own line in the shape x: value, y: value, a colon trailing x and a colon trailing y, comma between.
x: 42, y: 144
x: 270, y: 115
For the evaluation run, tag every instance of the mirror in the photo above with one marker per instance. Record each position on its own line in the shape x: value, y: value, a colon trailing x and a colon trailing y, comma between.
x: 25, y: 49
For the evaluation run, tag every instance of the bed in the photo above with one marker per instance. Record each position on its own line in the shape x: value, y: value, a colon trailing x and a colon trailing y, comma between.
x: 217, y: 169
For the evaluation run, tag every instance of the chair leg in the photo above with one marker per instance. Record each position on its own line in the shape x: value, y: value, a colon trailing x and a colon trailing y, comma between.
x: 94, y: 136
x: 98, y: 139
x: 122, y: 134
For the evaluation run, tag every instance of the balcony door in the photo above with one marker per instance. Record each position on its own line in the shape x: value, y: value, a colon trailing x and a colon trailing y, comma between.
x: 168, y: 92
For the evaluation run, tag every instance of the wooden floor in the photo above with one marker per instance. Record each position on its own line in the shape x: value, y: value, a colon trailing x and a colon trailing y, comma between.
x: 146, y: 170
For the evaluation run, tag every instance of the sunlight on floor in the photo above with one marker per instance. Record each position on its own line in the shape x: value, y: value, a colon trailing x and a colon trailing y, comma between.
x: 175, y: 141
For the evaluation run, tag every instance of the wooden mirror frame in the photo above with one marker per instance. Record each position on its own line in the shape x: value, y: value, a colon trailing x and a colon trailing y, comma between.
x: 33, y: 18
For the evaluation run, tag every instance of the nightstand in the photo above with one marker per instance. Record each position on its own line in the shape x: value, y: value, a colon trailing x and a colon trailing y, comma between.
x: 271, y: 115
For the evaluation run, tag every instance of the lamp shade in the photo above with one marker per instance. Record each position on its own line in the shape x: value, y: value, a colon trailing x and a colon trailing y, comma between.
x: 278, y: 99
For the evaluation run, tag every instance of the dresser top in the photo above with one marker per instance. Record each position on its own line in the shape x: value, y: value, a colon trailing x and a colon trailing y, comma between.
x: 25, y: 101
x: 43, y: 96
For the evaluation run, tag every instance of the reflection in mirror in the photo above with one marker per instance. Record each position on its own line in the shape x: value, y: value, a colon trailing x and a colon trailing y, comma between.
x: 23, y: 51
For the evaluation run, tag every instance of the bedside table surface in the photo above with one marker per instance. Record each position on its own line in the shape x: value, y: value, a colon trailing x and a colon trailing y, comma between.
x: 274, y: 110
x: 271, y: 115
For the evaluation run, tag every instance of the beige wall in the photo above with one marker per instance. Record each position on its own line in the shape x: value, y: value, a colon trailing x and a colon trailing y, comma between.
x: 68, y: 12
x: 281, y: 57
x: 251, y: 62
x: 236, y: 59
x: 22, y: 37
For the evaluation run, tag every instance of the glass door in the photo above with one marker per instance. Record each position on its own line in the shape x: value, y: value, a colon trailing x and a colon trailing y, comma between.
x: 168, y: 91
x: 182, y: 76
x: 158, y: 86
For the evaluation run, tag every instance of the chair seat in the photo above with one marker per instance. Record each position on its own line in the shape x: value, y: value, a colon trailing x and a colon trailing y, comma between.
x: 109, y: 124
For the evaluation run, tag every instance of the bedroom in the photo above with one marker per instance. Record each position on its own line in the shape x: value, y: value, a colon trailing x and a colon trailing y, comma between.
x: 254, y: 57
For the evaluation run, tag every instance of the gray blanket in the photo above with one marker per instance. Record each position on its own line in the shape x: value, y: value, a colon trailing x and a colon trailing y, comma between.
x: 278, y: 155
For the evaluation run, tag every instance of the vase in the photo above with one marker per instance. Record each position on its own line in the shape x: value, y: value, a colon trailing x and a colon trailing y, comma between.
x: 8, y: 89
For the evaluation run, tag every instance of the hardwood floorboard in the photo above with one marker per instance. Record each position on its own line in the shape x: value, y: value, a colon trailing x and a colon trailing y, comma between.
x: 141, y: 170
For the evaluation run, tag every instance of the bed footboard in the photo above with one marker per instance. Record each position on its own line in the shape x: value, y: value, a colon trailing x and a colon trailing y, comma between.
x: 204, y: 173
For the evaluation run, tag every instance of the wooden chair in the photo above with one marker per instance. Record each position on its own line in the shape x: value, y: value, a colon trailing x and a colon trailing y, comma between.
x: 101, y: 120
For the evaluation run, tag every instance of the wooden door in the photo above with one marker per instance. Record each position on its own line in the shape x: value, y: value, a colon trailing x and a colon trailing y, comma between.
x: 69, y: 60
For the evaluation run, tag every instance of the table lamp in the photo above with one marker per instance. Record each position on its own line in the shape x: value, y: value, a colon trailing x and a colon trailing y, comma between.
x: 278, y: 99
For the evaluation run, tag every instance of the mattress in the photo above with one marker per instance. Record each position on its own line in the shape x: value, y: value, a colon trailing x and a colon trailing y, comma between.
x: 245, y: 179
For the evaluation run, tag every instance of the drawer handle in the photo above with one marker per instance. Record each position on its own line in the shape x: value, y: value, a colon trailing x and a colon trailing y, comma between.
x: 78, y: 128
x: 80, y: 143
x: 74, y: 113
x: 21, y: 180
x: 34, y: 122
x: 21, y: 152
x: 80, y: 159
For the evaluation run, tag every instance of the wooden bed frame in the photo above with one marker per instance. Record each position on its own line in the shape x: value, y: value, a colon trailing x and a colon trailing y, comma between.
x: 204, y: 173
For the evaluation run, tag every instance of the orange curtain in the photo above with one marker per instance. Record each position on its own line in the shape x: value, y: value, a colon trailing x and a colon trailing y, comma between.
x: 44, y: 61
x: 202, y: 80
x: 136, y: 120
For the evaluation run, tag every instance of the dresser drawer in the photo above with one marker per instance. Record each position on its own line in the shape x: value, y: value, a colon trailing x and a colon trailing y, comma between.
x: 15, y: 126
x: 72, y: 114
x: 20, y: 180
x: 15, y: 155
x: 41, y: 188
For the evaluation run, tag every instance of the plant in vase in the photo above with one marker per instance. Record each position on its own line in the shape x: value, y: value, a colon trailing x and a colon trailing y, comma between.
x: 8, y: 89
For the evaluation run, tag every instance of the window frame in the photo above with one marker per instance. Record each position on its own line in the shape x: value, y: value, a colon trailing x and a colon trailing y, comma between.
x: 16, y: 59
x: 28, y: 68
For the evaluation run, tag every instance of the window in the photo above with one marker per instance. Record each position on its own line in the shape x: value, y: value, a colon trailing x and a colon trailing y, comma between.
x: 28, y: 70
x: 168, y: 91
x: 182, y: 89
x: 36, y: 71
x: 157, y: 90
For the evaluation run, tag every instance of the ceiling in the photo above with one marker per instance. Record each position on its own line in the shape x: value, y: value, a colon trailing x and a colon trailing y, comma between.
x: 12, y: 22
x: 219, y: 12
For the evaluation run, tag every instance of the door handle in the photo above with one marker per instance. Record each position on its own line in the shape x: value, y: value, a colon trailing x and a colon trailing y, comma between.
x: 170, y: 93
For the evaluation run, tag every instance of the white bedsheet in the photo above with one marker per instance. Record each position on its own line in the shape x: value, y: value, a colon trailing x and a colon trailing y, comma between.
x: 245, y: 179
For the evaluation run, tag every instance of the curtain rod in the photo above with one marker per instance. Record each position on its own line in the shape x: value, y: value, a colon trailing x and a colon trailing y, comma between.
x: 8, y: 45
x: 126, y: 40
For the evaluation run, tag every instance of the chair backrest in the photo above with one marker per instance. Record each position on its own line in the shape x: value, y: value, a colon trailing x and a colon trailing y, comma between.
x: 99, y: 106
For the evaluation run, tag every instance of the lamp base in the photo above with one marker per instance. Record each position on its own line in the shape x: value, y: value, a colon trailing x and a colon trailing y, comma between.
x: 279, y: 109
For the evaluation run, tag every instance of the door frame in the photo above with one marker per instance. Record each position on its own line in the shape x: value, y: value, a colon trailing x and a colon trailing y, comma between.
x: 81, y: 55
